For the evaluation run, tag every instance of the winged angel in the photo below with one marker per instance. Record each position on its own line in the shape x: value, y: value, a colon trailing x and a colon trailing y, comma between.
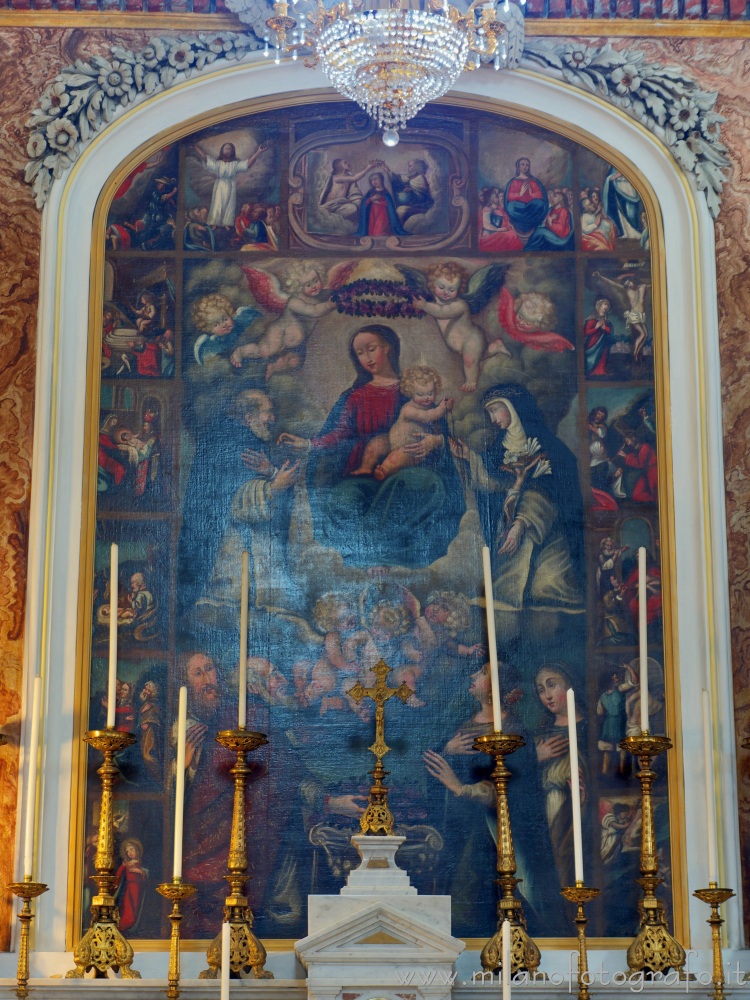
x: 455, y: 297
x: 299, y: 300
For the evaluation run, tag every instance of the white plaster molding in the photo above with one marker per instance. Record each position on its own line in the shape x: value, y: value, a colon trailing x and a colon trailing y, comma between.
x: 63, y: 342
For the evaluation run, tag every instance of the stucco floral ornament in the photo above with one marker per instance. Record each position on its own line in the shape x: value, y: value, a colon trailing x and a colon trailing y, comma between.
x: 85, y: 97
x: 661, y: 98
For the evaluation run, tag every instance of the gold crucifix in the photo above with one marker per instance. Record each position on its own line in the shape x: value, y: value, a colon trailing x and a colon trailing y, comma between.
x: 378, y: 818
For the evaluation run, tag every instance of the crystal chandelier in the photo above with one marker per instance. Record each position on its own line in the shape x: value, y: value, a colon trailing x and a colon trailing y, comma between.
x: 388, y: 56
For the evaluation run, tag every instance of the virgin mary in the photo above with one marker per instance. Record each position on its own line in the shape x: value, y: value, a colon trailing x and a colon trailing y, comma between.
x: 408, y: 519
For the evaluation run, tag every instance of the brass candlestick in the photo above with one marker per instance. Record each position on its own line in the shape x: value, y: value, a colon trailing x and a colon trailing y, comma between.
x: 581, y: 894
x: 378, y: 818
x: 715, y: 897
x: 175, y: 891
x: 525, y: 955
x: 246, y: 953
x: 26, y: 890
x: 104, y: 946
x: 653, y: 949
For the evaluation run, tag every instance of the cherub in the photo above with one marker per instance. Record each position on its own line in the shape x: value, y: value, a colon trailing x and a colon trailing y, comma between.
x: 385, y: 454
x: 455, y: 297
x: 631, y: 295
x: 447, y: 615
x: 338, y: 667
x: 395, y: 626
x: 305, y: 300
x: 220, y: 325
x: 267, y: 682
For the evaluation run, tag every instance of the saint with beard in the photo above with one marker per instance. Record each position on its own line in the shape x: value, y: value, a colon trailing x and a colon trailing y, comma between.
x: 208, y: 796
x: 239, y: 497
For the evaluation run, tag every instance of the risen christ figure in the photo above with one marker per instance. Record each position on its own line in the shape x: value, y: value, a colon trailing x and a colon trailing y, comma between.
x: 223, y: 210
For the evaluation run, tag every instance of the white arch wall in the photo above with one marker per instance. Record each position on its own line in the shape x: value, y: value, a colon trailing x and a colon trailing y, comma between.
x: 701, y: 577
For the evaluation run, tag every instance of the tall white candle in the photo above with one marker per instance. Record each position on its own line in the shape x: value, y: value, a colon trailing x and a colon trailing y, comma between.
x: 244, y: 598
x: 506, y: 960
x: 575, y: 786
x: 112, y: 678
x: 489, y: 597
x: 713, y: 854
x: 643, y: 636
x: 28, y: 843
x: 179, y: 784
x: 225, y: 961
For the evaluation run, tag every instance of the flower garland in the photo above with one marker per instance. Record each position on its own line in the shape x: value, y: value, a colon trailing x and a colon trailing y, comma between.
x: 669, y: 104
x: 373, y: 298
x: 84, y: 98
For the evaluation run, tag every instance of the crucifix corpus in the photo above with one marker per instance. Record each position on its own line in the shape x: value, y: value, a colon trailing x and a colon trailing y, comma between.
x: 378, y: 818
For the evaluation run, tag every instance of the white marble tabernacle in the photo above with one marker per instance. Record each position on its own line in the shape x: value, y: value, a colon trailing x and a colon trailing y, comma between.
x: 378, y: 937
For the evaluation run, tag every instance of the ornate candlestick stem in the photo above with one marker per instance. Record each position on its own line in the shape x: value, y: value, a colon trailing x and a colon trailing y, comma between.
x: 26, y: 890
x: 176, y: 890
x: 715, y: 896
x: 525, y: 955
x: 581, y: 894
x: 653, y: 949
x: 104, y: 946
x: 378, y: 818
x: 246, y: 953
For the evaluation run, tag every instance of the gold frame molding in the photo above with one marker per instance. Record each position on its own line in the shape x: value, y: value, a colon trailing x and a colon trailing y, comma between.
x: 664, y: 457
x: 569, y: 27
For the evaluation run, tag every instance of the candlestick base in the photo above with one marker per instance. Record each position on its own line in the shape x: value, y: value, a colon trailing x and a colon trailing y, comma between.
x: 246, y: 953
x: 175, y: 891
x: 26, y: 890
x: 103, y: 946
x: 715, y: 896
x: 581, y: 894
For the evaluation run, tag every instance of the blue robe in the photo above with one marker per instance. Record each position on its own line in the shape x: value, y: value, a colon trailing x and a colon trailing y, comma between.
x: 364, y: 215
x: 619, y: 204
x: 408, y: 519
x: 525, y: 216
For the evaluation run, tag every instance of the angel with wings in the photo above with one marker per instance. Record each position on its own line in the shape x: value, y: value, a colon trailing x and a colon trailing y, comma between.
x: 219, y: 325
x: 455, y: 297
x: 301, y: 301
x: 630, y: 294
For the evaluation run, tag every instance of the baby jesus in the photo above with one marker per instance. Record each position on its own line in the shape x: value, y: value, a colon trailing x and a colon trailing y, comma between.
x: 385, y: 454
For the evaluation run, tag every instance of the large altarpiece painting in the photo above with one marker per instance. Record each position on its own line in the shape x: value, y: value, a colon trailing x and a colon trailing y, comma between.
x: 361, y: 365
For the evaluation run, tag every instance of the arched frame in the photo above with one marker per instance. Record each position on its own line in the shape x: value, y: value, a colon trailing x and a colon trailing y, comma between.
x: 690, y: 452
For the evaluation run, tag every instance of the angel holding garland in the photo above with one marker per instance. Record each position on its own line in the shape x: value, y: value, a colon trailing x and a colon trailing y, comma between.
x: 455, y: 297
x: 301, y: 299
